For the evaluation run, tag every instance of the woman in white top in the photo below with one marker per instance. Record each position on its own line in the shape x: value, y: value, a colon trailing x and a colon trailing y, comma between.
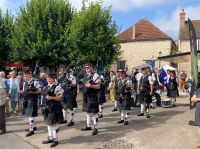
x: 14, y: 90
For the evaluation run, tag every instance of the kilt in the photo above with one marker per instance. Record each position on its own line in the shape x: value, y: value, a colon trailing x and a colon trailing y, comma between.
x: 101, y: 95
x: 172, y: 93
x: 54, y: 114
x: 144, y: 97
x: 69, y: 100
x: 30, y: 106
x: 197, y: 113
x: 90, y: 103
x: 124, y: 101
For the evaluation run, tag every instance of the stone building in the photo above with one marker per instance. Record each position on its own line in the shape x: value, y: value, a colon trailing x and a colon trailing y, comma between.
x: 184, y: 41
x: 144, y: 41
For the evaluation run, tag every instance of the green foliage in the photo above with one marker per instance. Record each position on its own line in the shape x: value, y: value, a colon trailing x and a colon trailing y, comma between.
x: 6, y: 24
x: 38, y: 31
x: 91, y: 34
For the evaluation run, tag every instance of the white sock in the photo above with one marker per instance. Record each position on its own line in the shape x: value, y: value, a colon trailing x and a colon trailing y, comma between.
x: 125, y: 115
x: 32, y: 123
x: 88, y: 118
x: 101, y: 109
x: 55, y: 132
x: 50, y: 132
x: 115, y: 104
x: 122, y: 115
x: 142, y: 107
x: 71, y: 116
x: 64, y: 114
x: 95, y: 117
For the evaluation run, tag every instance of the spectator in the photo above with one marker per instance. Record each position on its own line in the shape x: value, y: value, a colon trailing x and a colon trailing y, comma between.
x: 14, y: 90
x: 196, y: 99
x: 3, y: 96
x: 182, y: 80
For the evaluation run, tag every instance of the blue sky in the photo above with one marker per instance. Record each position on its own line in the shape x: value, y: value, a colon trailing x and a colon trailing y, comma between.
x: 162, y: 13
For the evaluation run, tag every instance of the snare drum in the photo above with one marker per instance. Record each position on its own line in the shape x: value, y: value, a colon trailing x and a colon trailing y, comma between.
x: 166, y: 103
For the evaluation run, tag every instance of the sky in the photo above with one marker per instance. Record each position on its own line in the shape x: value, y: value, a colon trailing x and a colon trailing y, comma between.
x: 162, y: 13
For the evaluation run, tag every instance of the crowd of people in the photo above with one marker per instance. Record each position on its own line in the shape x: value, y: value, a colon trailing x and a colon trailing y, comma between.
x: 56, y: 95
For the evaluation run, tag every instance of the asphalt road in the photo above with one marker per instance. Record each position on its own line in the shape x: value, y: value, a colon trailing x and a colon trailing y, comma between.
x: 166, y: 129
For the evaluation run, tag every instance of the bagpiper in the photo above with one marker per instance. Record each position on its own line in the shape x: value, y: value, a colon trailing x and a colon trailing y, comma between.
x: 52, y: 109
x: 123, y: 90
x: 31, y: 90
x: 91, y: 83
x: 69, y: 103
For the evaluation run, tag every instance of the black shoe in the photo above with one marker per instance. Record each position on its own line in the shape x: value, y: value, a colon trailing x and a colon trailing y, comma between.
x: 115, y: 109
x: 86, y: 128
x: 34, y: 129
x: 71, y: 123
x: 125, y: 122
x: 95, y: 131
x: 54, y: 143
x: 47, y: 141
x: 148, y: 116
x: 100, y: 115
x: 63, y: 122
x: 121, y: 121
x: 141, y: 114
x: 30, y: 133
x: 174, y: 105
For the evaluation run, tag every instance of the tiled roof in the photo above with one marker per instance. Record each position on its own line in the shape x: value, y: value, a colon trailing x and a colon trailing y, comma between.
x: 143, y: 30
x: 184, y: 30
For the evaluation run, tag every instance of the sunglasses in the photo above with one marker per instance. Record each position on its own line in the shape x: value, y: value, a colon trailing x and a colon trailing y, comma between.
x: 87, y: 67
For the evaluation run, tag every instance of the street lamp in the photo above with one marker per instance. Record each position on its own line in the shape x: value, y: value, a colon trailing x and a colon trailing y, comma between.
x: 160, y: 54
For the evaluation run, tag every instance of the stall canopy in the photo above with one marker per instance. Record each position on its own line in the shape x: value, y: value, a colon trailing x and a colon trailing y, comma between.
x: 167, y: 67
x: 16, y: 64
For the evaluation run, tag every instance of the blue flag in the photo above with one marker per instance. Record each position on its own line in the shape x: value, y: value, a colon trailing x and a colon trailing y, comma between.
x: 164, y: 76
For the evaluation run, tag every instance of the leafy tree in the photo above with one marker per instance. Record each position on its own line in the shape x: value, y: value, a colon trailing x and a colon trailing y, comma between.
x: 91, y: 34
x: 6, y: 24
x: 38, y: 31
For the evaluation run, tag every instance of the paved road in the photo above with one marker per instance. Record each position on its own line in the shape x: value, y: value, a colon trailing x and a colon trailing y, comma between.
x: 166, y: 129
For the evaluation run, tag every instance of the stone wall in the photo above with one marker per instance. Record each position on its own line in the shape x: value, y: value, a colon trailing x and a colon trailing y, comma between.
x: 136, y: 52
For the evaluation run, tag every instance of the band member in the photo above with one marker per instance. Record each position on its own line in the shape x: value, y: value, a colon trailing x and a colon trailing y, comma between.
x: 52, y: 109
x: 31, y: 89
x: 102, y: 97
x: 172, y: 86
x: 90, y: 97
x: 145, y: 91
x: 112, y: 89
x: 69, y: 102
x: 123, y: 90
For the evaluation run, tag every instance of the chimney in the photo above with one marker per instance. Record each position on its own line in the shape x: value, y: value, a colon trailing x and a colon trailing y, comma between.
x: 182, y: 18
x: 133, y: 35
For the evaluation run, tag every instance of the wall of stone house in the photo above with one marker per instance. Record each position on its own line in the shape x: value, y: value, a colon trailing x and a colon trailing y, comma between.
x: 136, y: 52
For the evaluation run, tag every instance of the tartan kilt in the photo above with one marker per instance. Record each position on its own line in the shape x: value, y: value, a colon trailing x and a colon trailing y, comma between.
x: 144, y: 97
x: 55, y: 115
x: 68, y: 101
x: 31, y: 108
x: 124, y: 102
x: 172, y: 93
x: 90, y: 103
x: 101, y: 95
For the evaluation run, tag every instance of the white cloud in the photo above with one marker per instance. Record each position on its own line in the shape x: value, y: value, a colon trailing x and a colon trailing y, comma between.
x: 170, y: 23
x: 126, y: 5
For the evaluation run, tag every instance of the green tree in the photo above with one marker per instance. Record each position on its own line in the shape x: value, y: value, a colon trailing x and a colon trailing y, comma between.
x: 91, y: 34
x: 38, y: 31
x: 6, y: 24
